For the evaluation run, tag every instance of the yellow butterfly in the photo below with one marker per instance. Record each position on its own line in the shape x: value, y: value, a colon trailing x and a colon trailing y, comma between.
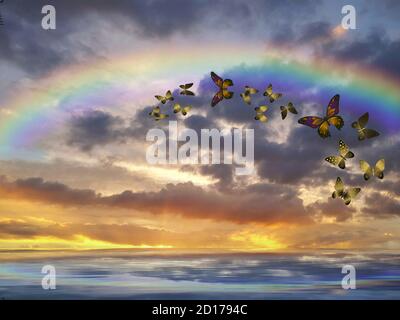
x: 340, y: 160
x: 157, y: 115
x: 376, y: 171
x: 284, y: 110
x: 364, y: 133
x: 164, y: 99
x: 246, y: 95
x: 271, y: 95
x: 185, y: 90
x: 260, y: 116
x: 347, y: 195
x: 184, y: 111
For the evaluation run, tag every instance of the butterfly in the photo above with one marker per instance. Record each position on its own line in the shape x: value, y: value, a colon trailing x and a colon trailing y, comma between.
x: 223, y: 92
x: 184, y: 110
x: 340, y: 160
x: 363, y: 132
x: 331, y: 118
x: 260, y: 113
x: 185, y: 90
x: 157, y: 115
x: 376, y: 171
x: 271, y: 95
x: 284, y: 110
x: 164, y: 99
x: 246, y: 95
x: 347, y: 195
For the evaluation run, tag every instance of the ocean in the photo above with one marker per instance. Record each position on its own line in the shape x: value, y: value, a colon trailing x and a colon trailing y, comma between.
x: 168, y: 274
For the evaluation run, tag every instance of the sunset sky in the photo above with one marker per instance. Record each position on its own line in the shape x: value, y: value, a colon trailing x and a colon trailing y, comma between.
x: 74, y: 114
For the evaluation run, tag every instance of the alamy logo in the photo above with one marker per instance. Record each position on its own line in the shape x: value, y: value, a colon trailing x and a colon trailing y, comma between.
x: 185, y: 147
x: 49, y: 280
x: 349, y: 280
x: 349, y: 20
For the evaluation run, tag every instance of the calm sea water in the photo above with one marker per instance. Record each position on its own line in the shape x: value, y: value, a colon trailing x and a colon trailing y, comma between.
x: 120, y: 274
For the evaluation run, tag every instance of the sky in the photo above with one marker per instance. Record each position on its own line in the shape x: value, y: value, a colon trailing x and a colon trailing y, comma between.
x: 74, y: 114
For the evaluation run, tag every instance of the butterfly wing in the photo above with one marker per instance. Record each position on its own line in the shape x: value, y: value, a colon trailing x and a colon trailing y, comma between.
x: 361, y: 122
x: 168, y: 96
x: 186, y: 86
x: 333, y: 106
x: 161, y: 116
x: 162, y: 99
x: 274, y: 96
x: 323, y: 130
x: 187, y: 93
x: 311, y: 121
x: 366, y: 169
x: 370, y: 133
x: 336, y: 121
x: 186, y: 109
x: 217, y: 79
x: 344, y: 150
x: 291, y: 108
x: 379, y: 168
x: 284, y: 112
x: 261, y: 117
x: 177, y: 108
x: 246, y: 97
x: 361, y: 135
x: 268, y: 91
x: 218, y: 97
x: 155, y: 111
x: 250, y: 90
x: 350, y: 194
x: 227, y: 83
x: 261, y: 108
x: 339, y: 188
x: 335, y: 160
x: 227, y: 94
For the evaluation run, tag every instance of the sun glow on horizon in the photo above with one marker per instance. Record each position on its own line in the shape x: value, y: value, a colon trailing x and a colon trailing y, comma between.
x: 78, y: 242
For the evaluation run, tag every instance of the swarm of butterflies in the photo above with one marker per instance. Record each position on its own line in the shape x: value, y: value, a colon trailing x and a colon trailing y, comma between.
x: 322, y: 124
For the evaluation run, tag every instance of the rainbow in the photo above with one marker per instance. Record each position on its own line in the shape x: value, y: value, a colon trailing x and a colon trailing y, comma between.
x: 33, y: 113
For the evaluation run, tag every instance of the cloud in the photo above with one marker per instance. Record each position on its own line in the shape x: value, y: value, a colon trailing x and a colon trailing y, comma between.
x: 125, y: 234
x: 332, y: 208
x: 95, y: 128
x: 375, y: 49
x: 52, y: 192
x: 184, y: 199
x: 383, y: 206
x: 86, y: 30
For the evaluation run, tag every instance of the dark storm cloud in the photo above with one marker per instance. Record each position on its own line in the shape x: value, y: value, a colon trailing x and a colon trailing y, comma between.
x: 25, y: 43
x: 292, y: 161
x: 223, y: 173
x: 95, y: 128
x: 38, y: 189
x: 192, y: 201
x: 10, y: 229
x: 333, y: 208
x: 99, y: 128
x: 365, y: 49
x: 381, y: 206
x: 314, y: 31
x: 119, y: 234
x: 184, y: 199
x: 376, y: 49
